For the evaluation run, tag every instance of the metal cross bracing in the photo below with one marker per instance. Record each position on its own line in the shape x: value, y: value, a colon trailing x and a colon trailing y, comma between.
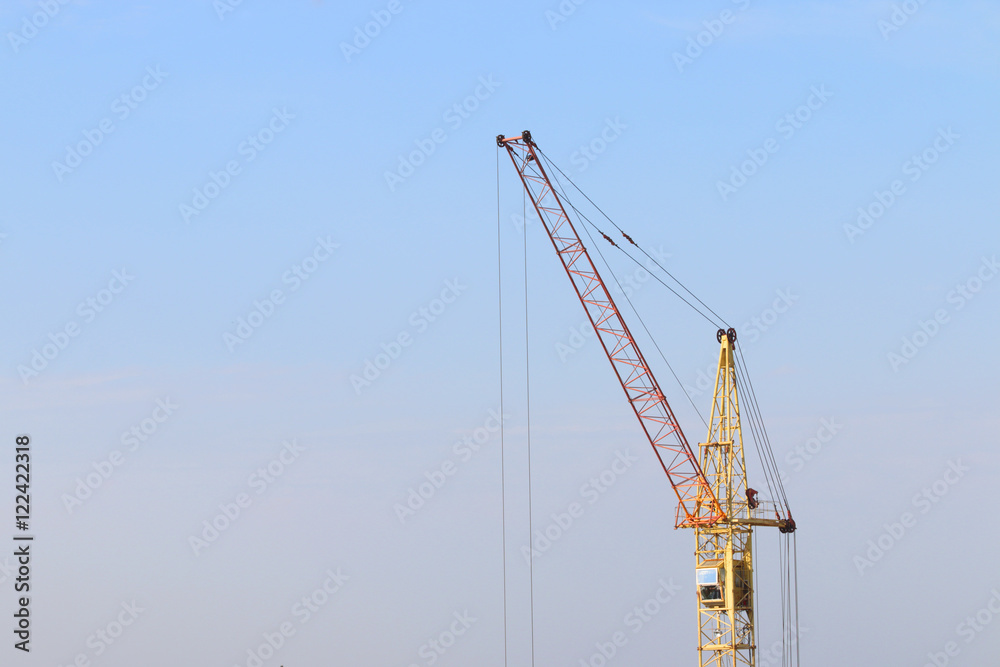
x: 698, y: 504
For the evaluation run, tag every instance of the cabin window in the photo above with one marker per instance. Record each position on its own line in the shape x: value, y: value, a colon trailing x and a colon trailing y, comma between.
x: 709, y: 584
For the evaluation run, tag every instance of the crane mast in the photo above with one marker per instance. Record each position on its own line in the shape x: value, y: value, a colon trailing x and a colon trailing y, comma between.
x: 724, y: 551
x: 712, y: 491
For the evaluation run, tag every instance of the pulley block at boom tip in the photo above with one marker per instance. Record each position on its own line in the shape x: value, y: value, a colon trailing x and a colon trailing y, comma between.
x: 525, y: 136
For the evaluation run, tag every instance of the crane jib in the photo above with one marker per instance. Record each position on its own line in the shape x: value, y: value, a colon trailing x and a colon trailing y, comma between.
x: 697, y: 503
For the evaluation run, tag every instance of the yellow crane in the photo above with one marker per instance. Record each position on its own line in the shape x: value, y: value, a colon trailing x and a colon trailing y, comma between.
x: 713, y: 496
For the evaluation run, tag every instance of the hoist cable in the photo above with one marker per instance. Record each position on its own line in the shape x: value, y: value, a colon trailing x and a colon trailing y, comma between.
x: 757, y: 423
x: 527, y: 388
x: 641, y: 249
x: 503, y: 480
x: 769, y: 474
x: 755, y: 406
x: 756, y: 580
x: 632, y: 306
x: 782, y: 568
x: 633, y: 259
x: 759, y: 434
x: 798, y: 637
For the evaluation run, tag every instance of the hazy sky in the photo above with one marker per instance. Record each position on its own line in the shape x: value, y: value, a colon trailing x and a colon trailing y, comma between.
x: 251, y: 315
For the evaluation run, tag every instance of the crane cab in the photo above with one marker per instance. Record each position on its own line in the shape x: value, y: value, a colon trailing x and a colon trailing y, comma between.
x: 711, y: 583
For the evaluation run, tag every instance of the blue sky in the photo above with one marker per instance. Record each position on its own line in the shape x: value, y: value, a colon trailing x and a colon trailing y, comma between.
x: 351, y: 210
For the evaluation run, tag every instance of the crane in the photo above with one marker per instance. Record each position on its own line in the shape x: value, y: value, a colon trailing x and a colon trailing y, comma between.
x: 713, y: 497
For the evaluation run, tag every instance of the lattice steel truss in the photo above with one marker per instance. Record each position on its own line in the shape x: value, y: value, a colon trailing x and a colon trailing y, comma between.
x: 697, y: 504
x: 726, y: 611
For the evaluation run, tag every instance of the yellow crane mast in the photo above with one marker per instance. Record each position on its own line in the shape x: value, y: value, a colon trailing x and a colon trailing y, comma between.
x: 724, y: 550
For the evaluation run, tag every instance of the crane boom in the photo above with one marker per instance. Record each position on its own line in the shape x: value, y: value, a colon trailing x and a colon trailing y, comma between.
x: 697, y: 502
